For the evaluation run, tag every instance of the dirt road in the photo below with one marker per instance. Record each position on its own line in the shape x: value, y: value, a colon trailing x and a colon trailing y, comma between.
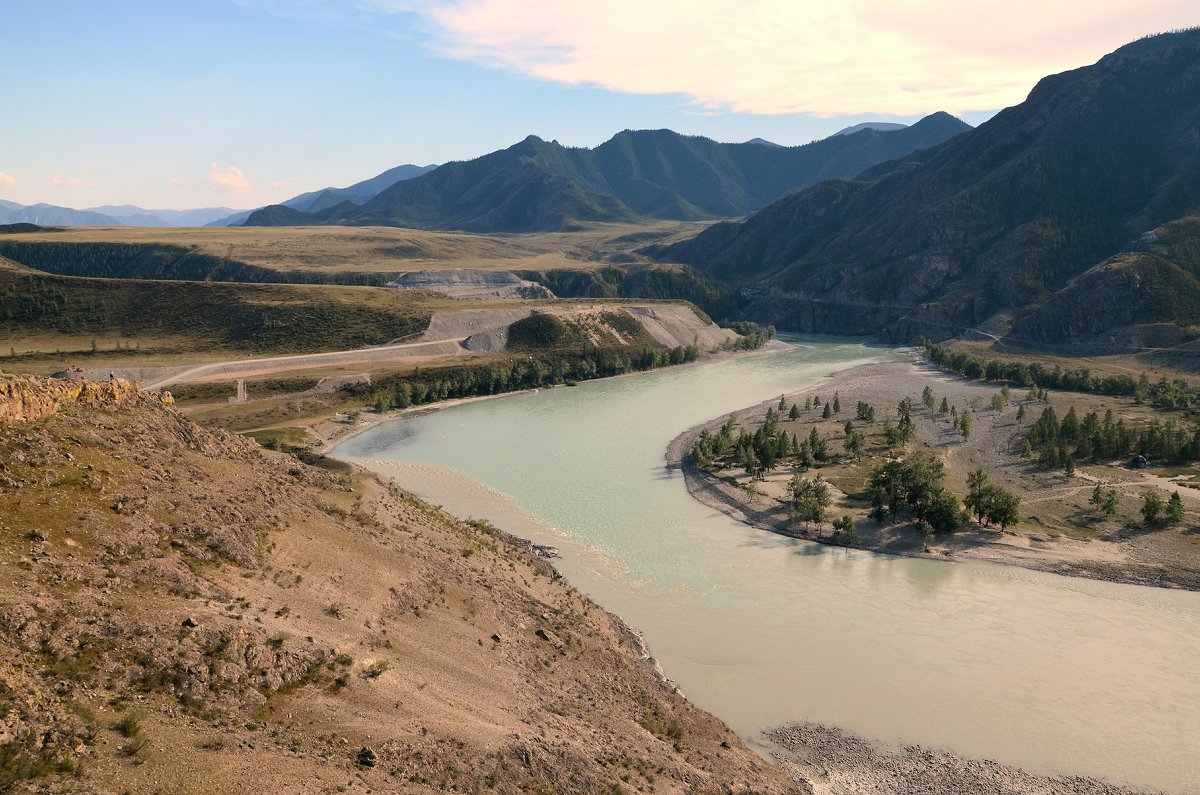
x: 255, y: 367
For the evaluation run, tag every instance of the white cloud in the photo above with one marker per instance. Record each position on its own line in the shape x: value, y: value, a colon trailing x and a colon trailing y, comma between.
x: 231, y: 179
x: 71, y: 182
x: 8, y: 180
x: 795, y: 56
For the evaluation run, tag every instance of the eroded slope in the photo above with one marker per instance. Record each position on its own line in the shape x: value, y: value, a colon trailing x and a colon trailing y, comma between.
x: 181, y: 611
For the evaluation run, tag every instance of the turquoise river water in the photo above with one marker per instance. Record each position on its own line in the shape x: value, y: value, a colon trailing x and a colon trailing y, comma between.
x: 1051, y: 673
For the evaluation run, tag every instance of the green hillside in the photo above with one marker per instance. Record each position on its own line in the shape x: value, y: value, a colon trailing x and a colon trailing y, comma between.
x: 204, y: 316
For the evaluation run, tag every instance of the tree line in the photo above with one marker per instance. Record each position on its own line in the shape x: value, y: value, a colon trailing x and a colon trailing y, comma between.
x: 1058, y: 443
x: 430, y: 385
x: 1165, y: 393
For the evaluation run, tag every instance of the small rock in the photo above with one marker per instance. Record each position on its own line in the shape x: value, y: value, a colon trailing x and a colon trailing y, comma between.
x: 189, y: 622
x: 496, y: 637
x: 367, y: 757
x: 547, y: 635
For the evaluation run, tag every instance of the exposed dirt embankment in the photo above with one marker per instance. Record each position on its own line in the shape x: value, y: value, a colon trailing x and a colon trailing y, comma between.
x: 179, y: 605
x: 678, y: 324
x: 486, y: 330
x: 472, y: 284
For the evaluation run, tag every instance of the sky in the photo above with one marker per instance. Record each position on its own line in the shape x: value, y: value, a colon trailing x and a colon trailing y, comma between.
x: 242, y: 103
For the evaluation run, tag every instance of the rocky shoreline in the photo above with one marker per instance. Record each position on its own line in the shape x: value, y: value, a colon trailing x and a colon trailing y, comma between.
x: 834, y: 762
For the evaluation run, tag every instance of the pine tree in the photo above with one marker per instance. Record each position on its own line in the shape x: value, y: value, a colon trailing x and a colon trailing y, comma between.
x: 837, y: 404
x: 827, y: 413
x: 794, y: 414
x: 1174, y: 511
x: 845, y: 531
x: 1152, y: 508
x: 945, y: 407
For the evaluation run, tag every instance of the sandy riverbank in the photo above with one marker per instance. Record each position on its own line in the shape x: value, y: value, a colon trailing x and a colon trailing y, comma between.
x: 1059, y: 532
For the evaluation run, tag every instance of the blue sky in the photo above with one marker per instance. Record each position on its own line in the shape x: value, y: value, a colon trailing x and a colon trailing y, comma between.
x: 216, y: 102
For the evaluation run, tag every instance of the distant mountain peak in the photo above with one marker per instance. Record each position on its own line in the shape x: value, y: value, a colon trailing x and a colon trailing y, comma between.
x: 880, y: 126
x: 764, y: 142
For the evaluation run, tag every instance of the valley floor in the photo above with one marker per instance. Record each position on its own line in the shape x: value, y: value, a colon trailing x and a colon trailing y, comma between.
x: 1059, y: 532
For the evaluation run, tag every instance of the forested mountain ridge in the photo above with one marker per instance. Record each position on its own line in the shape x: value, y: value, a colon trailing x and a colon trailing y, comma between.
x: 1146, y: 296
x: 536, y: 185
x: 998, y: 219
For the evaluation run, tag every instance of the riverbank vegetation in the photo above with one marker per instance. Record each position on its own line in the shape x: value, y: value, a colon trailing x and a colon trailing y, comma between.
x: 1170, y: 393
x: 899, y: 485
x: 510, y: 374
x: 933, y: 464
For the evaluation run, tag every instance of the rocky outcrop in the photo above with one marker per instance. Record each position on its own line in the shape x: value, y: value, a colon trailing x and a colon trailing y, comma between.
x: 24, y: 398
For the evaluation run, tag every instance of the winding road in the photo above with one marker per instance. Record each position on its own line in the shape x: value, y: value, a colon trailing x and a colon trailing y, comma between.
x: 302, y: 361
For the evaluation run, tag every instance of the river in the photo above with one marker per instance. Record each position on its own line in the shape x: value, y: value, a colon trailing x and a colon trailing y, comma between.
x: 1050, y: 673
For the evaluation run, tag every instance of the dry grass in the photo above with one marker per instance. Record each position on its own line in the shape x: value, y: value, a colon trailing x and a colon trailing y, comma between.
x: 383, y: 249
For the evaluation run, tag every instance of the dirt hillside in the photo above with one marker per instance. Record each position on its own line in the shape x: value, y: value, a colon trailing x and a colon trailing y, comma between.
x: 181, y: 611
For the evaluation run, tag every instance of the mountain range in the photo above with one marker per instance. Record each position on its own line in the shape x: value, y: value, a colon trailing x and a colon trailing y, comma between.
x: 108, y: 215
x: 536, y: 185
x: 323, y: 199
x: 1018, y: 225
x: 131, y: 215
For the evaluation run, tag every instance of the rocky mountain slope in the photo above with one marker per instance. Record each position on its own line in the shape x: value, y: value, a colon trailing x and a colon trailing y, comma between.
x: 537, y: 185
x: 182, y: 611
x: 998, y: 219
x: 1146, y: 296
